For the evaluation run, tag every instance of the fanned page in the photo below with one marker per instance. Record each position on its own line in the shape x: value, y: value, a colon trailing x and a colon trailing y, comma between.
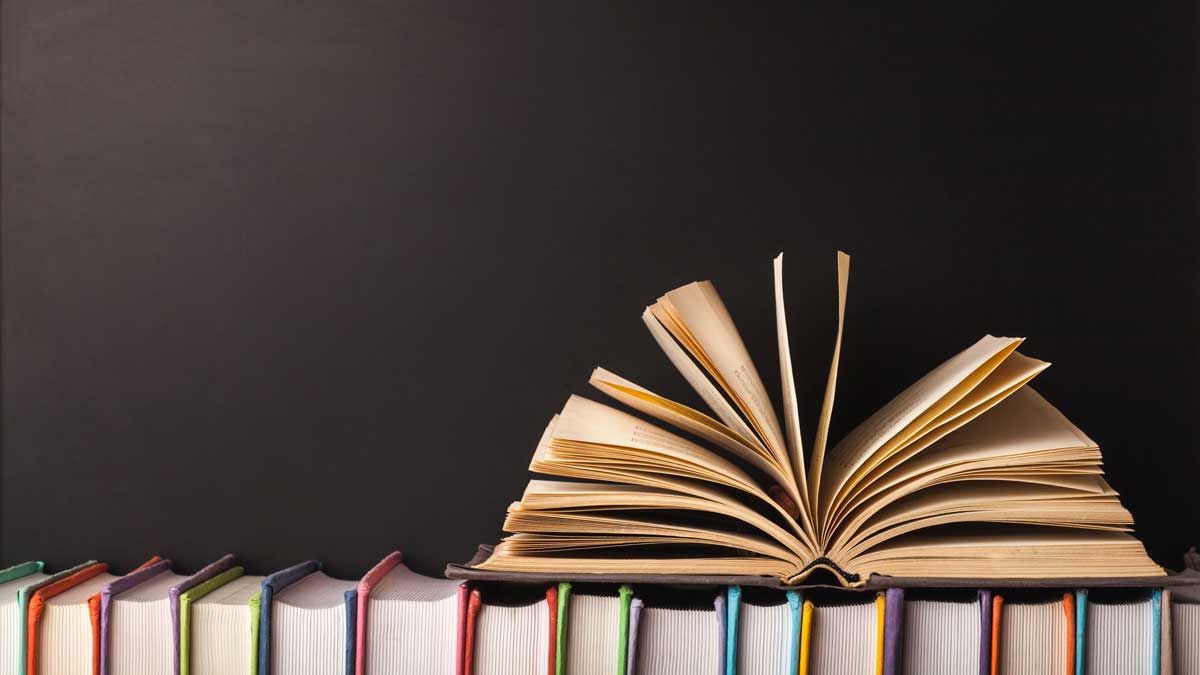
x: 791, y: 407
x: 920, y: 403
x: 695, y: 315
x: 817, y: 475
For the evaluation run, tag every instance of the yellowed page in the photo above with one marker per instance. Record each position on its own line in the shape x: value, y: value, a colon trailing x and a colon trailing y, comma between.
x: 586, y: 421
x: 693, y: 422
x: 1038, y: 552
x: 992, y: 501
x: 931, y: 395
x: 699, y: 310
x: 607, y: 529
x: 822, y: 437
x: 1015, y: 372
x: 508, y: 557
x: 1022, y: 435
x: 699, y: 381
x: 548, y: 495
x: 791, y: 413
x: 583, y: 460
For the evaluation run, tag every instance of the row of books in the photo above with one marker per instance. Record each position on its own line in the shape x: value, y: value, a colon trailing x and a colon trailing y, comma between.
x: 300, y: 621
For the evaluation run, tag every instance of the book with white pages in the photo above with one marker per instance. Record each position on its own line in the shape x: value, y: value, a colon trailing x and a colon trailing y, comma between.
x: 763, y: 631
x: 593, y: 629
x: 1033, y: 633
x: 408, y: 622
x: 842, y: 634
x: 681, y: 636
x: 945, y: 632
x: 310, y: 626
x: 219, y: 622
x: 65, y: 640
x: 136, y: 629
x: 511, y: 631
x: 1184, y: 612
x: 1122, y: 631
x: 12, y: 580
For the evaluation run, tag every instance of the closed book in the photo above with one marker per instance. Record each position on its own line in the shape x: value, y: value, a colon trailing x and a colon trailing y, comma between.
x: 307, y: 622
x: 1033, y: 633
x: 24, y: 597
x: 682, y: 634
x: 762, y: 631
x: 593, y: 630
x: 843, y: 634
x: 408, y: 622
x: 135, y: 622
x: 1185, y: 630
x: 207, y: 572
x: 1123, y: 632
x: 938, y: 632
x: 217, y: 625
x: 60, y: 624
x: 12, y: 581
x: 511, y: 632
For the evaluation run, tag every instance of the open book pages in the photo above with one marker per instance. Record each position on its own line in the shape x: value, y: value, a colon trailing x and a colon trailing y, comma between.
x: 222, y: 629
x: 308, y: 627
x: 413, y: 624
x: 139, y: 630
x: 968, y: 472
x: 65, y: 631
x: 11, y: 619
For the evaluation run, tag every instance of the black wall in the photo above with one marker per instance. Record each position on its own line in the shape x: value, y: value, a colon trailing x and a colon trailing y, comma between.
x: 307, y: 279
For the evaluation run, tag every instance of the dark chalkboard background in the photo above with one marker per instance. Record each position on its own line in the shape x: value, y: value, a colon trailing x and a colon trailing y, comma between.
x: 306, y: 279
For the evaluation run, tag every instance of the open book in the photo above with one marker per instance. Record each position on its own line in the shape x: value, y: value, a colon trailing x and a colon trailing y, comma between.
x: 966, y: 473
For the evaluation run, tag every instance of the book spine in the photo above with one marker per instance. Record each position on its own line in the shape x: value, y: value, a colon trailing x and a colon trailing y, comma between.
x: 893, y: 630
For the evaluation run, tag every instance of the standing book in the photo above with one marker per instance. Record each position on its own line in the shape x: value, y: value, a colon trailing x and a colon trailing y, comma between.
x: 12, y: 581
x: 136, y: 633
x: 762, y: 632
x: 843, y: 635
x: 1033, y: 633
x: 1123, y: 632
x: 175, y: 595
x: 408, y: 622
x: 939, y: 632
x: 682, y: 635
x: 511, y: 636
x: 218, y: 625
x: 593, y: 631
x: 307, y: 624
